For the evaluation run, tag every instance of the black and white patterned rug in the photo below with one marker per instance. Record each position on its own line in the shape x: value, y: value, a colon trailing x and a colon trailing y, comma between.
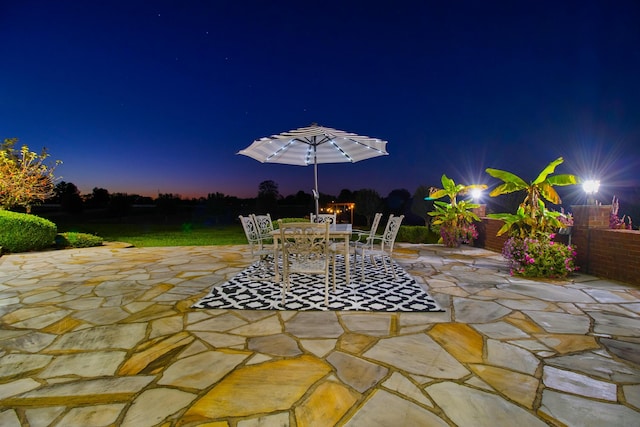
x: 254, y: 289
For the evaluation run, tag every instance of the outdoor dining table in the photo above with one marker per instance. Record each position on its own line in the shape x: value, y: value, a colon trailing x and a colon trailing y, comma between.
x: 340, y: 233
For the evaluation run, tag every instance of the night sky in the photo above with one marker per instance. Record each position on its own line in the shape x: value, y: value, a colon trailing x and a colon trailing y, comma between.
x: 149, y: 97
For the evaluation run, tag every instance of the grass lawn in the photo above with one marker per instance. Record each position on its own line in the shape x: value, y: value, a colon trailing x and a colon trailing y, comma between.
x: 151, y: 230
x: 151, y: 234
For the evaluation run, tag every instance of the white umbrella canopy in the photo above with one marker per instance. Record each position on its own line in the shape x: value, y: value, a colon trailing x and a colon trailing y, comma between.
x: 314, y: 145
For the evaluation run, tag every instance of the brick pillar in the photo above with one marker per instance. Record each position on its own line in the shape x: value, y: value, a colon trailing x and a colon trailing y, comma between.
x: 481, y: 210
x: 487, y: 230
x: 586, y: 218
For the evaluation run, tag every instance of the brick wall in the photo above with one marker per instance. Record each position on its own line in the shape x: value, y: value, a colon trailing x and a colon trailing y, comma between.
x: 614, y: 254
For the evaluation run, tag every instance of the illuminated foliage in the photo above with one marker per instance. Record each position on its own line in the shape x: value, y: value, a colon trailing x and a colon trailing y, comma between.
x: 532, y: 218
x: 25, y: 177
x: 454, y: 220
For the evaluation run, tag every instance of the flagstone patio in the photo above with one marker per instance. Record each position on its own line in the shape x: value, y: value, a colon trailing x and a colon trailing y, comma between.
x: 106, y: 336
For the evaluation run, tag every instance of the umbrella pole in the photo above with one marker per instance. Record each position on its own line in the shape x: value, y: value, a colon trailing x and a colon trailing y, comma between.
x: 315, y: 174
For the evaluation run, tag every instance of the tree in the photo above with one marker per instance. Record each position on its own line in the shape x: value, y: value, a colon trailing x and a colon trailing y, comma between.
x: 303, y: 198
x: 397, y: 201
x: 99, y: 198
x: 532, y: 217
x: 25, y: 178
x: 120, y: 204
x: 268, y: 196
x: 68, y: 195
x: 268, y: 189
x: 345, y: 196
x: 168, y: 204
x: 368, y: 202
x: 420, y: 206
x: 218, y: 205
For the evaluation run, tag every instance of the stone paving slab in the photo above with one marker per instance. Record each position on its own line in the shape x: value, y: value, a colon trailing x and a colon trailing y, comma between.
x: 106, y: 336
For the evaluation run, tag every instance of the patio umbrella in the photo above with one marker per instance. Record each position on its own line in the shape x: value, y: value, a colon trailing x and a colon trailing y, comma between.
x: 313, y: 145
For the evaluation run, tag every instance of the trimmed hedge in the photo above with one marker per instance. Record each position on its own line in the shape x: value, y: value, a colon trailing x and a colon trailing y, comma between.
x: 286, y: 220
x: 77, y: 240
x: 407, y: 233
x: 416, y: 234
x: 21, y: 232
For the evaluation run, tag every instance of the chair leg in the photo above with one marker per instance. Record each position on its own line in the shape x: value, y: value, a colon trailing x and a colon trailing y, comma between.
x: 285, y: 284
x: 285, y: 287
x: 326, y: 289
x: 393, y: 270
x: 333, y: 269
x: 384, y: 264
x: 355, y: 260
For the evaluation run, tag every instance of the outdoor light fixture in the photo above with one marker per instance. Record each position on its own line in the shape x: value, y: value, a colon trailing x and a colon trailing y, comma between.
x: 591, y: 187
x: 476, y: 194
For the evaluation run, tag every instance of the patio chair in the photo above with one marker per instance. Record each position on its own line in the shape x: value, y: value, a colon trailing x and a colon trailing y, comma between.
x: 265, y: 226
x: 364, y: 237
x: 381, y: 247
x: 256, y: 244
x: 305, y: 250
x: 322, y: 218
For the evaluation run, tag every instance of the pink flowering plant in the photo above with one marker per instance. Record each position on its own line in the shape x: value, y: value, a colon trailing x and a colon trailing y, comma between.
x: 566, y: 222
x: 539, y: 257
x: 566, y: 218
x: 615, y: 221
x: 454, y: 236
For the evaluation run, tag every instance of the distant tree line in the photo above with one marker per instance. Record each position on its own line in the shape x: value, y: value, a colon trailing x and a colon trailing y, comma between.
x: 222, y: 208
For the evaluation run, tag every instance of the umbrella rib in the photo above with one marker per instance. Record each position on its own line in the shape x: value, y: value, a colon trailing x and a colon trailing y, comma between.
x: 279, y: 150
x: 341, y: 151
x: 367, y: 146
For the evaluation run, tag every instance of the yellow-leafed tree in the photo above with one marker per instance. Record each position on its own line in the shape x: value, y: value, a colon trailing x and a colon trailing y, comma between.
x: 25, y: 177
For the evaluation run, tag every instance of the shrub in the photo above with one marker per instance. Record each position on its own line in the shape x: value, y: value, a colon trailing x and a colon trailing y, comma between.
x: 77, y: 240
x: 21, y: 232
x: 416, y: 234
x: 286, y: 220
x: 539, y: 257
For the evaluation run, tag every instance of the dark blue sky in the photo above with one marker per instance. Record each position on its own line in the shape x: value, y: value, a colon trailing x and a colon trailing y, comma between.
x: 158, y: 96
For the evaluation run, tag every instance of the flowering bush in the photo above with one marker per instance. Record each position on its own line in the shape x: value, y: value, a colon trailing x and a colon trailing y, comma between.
x: 454, y: 236
x: 566, y: 219
x: 539, y: 257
